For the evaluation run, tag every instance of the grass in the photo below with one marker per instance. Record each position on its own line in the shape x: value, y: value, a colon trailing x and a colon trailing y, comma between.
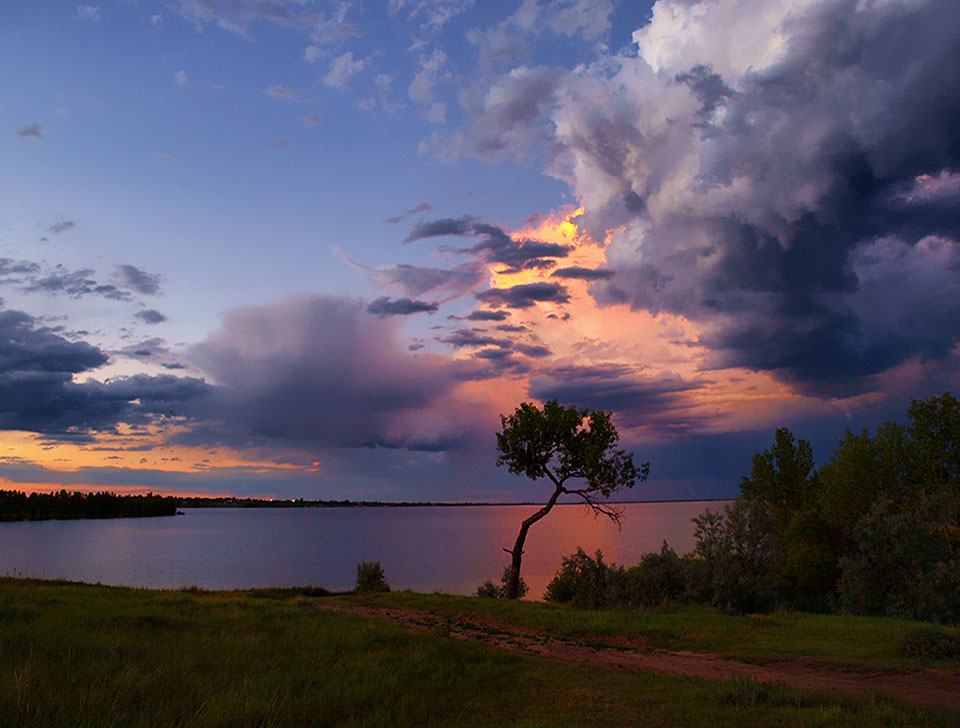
x: 83, y: 655
x: 841, y: 640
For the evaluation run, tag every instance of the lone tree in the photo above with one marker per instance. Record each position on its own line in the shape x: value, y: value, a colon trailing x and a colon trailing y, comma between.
x: 563, y: 443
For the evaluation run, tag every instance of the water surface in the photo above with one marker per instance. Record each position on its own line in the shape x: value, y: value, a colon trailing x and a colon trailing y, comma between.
x: 450, y: 549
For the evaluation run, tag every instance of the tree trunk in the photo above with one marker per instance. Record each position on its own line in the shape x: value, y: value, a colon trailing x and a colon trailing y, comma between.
x: 513, y: 586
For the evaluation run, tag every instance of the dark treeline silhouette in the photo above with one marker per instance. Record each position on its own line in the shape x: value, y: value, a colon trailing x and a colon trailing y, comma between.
x: 18, y: 506
x: 233, y: 502
x: 875, y: 531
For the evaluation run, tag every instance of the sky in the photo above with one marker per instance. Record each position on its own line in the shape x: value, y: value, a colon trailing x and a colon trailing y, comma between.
x: 310, y: 249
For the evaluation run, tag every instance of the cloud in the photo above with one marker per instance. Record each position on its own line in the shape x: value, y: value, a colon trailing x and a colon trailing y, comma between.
x: 237, y: 15
x: 422, y: 206
x: 30, y: 131
x: 62, y: 226
x: 494, y: 246
x: 15, y: 271
x: 744, y: 165
x: 137, y: 280
x: 313, y: 120
x: 525, y: 295
x: 434, y: 13
x: 487, y: 315
x: 443, y: 284
x: 180, y: 77
x: 583, y: 274
x: 321, y: 371
x: 384, y: 306
x: 636, y: 401
x: 75, y: 284
x: 281, y: 92
x: 88, y: 12
x: 343, y: 69
x: 589, y: 19
x: 38, y: 393
x: 150, y: 316
x: 422, y: 88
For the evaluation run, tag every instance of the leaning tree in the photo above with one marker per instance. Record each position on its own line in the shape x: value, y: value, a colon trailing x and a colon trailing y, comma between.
x: 564, y: 443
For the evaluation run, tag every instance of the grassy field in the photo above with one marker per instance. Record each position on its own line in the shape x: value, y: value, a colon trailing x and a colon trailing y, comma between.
x: 848, y: 641
x: 81, y: 655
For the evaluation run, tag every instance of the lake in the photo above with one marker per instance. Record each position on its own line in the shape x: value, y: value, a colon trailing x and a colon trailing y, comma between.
x: 450, y: 549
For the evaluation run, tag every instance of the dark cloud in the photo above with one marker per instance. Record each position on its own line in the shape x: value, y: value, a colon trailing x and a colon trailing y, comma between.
x: 494, y: 246
x: 320, y: 371
x: 487, y: 315
x: 15, y: 271
x: 30, y: 131
x: 384, y: 306
x: 75, y: 284
x: 137, y: 280
x: 38, y: 394
x: 637, y: 402
x: 583, y: 274
x: 62, y: 226
x: 473, y: 337
x: 525, y: 295
x: 459, y: 226
x: 150, y: 316
x: 750, y: 191
x: 422, y: 206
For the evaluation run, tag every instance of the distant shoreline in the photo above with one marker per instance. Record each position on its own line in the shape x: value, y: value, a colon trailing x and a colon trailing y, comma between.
x: 266, y: 503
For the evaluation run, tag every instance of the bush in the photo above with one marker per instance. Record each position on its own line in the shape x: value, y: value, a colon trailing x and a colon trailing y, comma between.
x: 589, y: 583
x: 659, y: 578
x: 740, y: 557
x: 489, y: 590
x: 931, y: 642
x: 906, y: 563
x: 370, y: 577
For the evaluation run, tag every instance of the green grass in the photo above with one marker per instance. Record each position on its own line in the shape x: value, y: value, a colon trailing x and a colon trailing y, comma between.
x: 848, y: 641
x: 82, y: 655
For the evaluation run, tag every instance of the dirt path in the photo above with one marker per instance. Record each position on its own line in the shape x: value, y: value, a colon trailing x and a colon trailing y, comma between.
x: 926, y: 687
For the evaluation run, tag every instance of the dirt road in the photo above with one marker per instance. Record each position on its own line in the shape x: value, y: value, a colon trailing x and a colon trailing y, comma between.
x: 925, y: 687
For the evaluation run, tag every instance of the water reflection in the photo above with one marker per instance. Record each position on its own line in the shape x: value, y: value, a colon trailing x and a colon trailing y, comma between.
x: 425, y: 549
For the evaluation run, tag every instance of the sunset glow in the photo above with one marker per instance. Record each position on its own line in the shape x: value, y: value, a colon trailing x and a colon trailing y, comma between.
x: 305, y: 251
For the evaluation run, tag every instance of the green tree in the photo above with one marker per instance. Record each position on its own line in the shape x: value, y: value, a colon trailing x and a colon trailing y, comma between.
x: 782, y: 478
x: 564, y: 443
x: 936, y: 435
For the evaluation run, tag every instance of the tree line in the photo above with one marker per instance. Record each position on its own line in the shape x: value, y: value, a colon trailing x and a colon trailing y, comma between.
x: 875, y: 530
x: 19, y: 506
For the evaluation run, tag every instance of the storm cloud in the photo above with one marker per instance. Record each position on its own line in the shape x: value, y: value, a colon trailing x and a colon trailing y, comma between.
x: 756, y: 165
x: 281, y: 380
x: 38, y: 394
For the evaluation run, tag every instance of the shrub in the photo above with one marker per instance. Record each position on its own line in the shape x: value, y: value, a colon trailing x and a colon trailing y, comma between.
x: 490, y: 590
x: 906, y: 563
x: 931, y: 642
x: 370, y: 577
x: 740, y: 558
x: 658, y: 579
x: 589, y: 583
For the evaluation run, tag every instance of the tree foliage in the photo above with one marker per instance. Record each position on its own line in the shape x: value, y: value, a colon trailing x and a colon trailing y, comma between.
x: 563, y: 444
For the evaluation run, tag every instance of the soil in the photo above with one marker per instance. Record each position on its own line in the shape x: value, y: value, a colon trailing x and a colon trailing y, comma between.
x: 927, y: 687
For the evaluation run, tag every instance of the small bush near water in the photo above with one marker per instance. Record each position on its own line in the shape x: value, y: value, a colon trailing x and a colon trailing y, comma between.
x: 370, y: 577
x: 489, y: 590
